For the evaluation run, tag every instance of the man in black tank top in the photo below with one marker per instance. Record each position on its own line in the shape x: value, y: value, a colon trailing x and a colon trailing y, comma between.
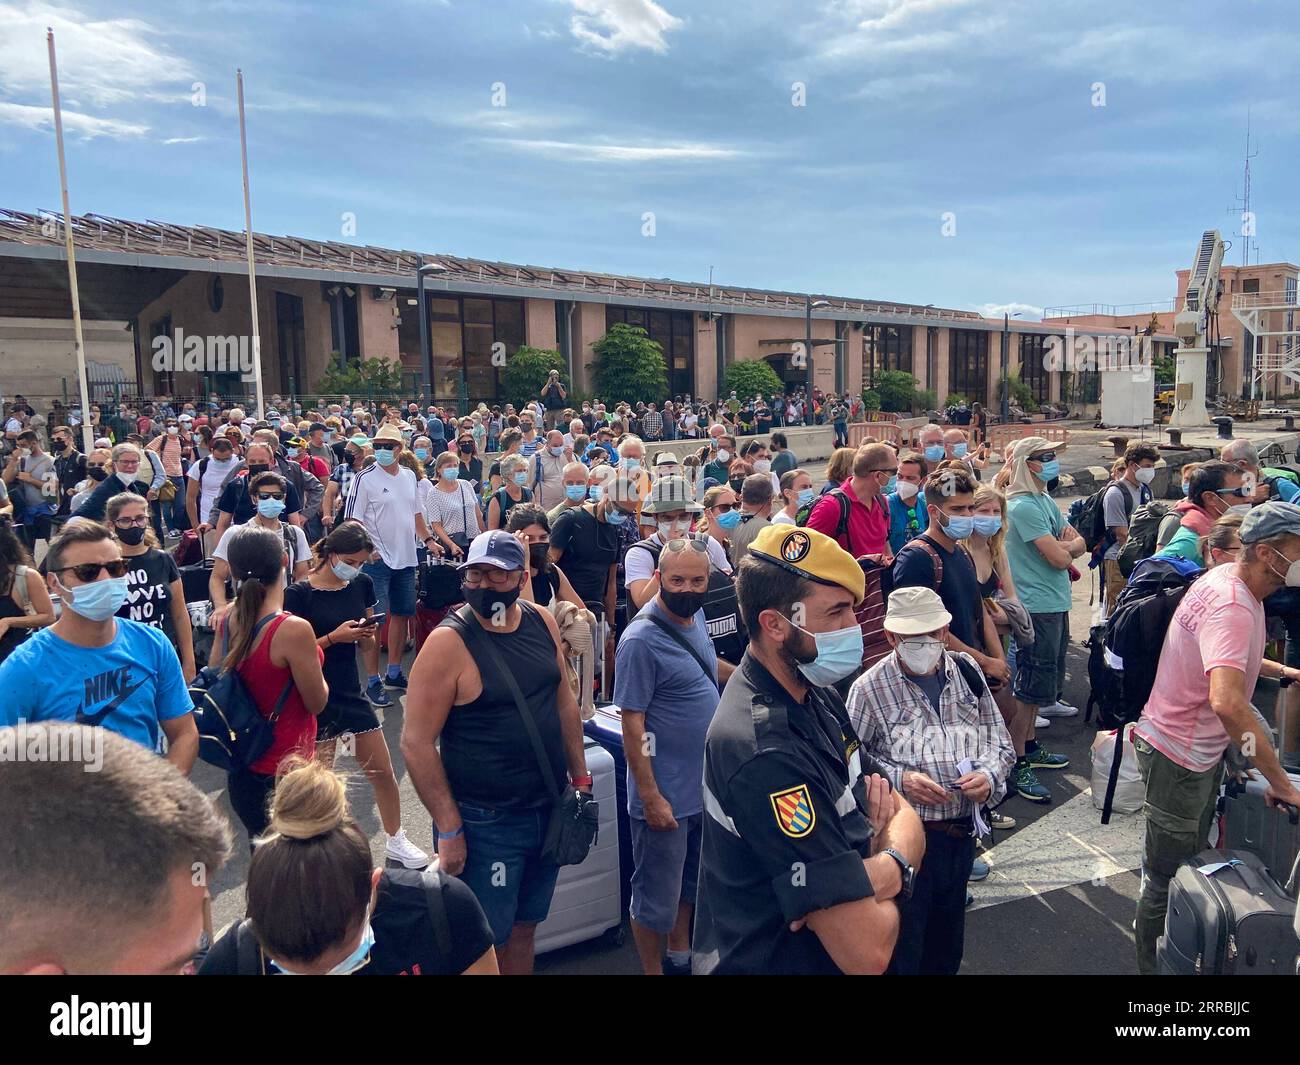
x: 489, y: 792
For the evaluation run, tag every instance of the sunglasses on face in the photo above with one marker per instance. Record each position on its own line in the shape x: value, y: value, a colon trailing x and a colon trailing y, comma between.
x: 1234, y: 493
x: 723, y: 508
x: 1046, y: 456
x: 89, y: 571
x: 270, y: 495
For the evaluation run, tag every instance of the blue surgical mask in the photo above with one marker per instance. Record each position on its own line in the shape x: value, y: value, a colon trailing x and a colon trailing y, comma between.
x: 556, y: 451
x: 422, y: 453
x: 729, y: 520
x: 345, y: 572
x: 839, y: 653
x: 521, y: 477
x: 934, y: 453
x: 1186, y: 487
x: 292, y: 452
x: 385, y: 456
x: 892, y: 485
x: 576, y: 492
x: 270, y: 508
x: 958, y: 527
x: 351, y: 963
x: 806, y: 497
x: 449, y: 473
x: 631, y: 465
x: 615, y: 516
x: 988, y: 526
x: 97, y: 601
x: 959, y: 451
x: 594, y: 493
x: 1051, y: 471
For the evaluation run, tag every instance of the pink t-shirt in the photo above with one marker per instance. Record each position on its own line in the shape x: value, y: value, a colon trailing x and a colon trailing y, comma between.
x: 1219, y: 623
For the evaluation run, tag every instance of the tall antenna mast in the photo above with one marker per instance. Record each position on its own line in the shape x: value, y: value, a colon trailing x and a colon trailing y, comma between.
x: 1243, y: 212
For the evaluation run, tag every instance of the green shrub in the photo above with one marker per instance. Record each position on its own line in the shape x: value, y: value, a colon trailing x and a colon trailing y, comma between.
x: 750, y: 377
x: 871, y: 400
x: 897, y: 390
x: 629, y: 366
x: 527, y: 371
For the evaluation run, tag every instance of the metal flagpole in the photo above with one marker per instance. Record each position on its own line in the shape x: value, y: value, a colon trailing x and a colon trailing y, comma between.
x: 87, y: 433
x: 248, y: 234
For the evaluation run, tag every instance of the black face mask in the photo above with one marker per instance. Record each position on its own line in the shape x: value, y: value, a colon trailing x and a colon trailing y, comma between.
x: 737, y: 483
x: 97, y: 473
x: 59, y: 445
x: 467, y: 448
x: 683, y: 604
x: 490, y: 603
x: 131, y: 537
x: 254, y: 468
x: 539, y: 556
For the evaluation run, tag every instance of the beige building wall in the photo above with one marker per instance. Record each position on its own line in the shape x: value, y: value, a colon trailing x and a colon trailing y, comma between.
x: 38, y: 358
x: 376, y: 326
x: 588, y: 327
x: 940, y: 384
x: 539, y: 324
x: 706, y: 356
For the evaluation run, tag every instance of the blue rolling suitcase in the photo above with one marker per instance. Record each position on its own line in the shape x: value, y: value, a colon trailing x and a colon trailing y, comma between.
x: 606, y: 728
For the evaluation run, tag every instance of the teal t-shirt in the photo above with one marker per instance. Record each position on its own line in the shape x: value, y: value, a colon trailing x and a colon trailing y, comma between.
x: 1185, y: 543
x: 1043, y: 588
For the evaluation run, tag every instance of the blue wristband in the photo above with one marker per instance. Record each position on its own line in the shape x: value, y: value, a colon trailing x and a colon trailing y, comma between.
x: 451, y: 835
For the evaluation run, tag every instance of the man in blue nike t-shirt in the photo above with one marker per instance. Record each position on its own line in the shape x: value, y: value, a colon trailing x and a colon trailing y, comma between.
x: 96, y: 669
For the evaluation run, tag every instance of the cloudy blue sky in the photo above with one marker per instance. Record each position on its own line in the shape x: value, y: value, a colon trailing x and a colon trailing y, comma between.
x: 909, y: 111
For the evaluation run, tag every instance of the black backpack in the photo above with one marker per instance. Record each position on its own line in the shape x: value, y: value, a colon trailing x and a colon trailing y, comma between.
x: 841, y: 526
x: 1143, y: 532
x: 233, y: 734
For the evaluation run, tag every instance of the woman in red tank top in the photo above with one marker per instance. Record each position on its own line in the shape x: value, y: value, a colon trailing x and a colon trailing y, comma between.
x: 280, y: 654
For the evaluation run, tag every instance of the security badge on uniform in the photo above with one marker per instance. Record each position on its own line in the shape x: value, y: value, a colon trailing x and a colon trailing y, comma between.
x: 794, y: 811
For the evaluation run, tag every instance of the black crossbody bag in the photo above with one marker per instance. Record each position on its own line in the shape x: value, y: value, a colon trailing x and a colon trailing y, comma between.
x: 574, y: 819
x: 681, y: 640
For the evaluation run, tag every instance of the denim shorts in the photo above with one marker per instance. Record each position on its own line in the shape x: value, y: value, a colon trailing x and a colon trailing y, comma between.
x: 1040, y: 670
x: 394, y: 588
x: 504, y: 867
x: 666, y: 869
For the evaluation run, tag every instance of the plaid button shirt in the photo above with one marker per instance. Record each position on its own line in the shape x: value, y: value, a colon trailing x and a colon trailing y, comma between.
x: 898, y: 727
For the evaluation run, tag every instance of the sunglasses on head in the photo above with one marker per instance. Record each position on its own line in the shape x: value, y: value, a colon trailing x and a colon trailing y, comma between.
x: 681, y: 544
x: 89, y: 571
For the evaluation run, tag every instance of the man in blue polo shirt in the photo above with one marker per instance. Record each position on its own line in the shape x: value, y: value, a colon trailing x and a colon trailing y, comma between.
x: 96, y: 669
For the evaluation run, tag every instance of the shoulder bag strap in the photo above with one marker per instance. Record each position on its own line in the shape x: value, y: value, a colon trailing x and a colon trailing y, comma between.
x: 681, y: 641
x: 432, y: 880
x: 924, y: 544
x: 484, y: 643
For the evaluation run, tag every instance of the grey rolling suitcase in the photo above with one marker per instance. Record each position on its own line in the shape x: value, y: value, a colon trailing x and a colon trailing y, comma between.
x: 1227, y: 916
x: 587, y: 902
x: 1251, y: 824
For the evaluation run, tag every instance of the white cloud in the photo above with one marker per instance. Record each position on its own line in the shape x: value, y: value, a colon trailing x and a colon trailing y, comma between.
x: 101, y: 61
x: 613, y: 26
x: 183, y: 140
x: 74, y: 122
x: 996, y: 310
x: 577, y: 152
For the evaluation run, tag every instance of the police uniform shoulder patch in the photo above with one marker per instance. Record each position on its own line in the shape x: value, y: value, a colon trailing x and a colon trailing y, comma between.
x: 796, y: 546
x: 794, y: 811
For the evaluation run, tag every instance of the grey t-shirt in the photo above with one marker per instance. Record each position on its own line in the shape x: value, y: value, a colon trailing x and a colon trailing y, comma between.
x: 655, y: 675
x: 39, y: 466
x: 1114, y: 509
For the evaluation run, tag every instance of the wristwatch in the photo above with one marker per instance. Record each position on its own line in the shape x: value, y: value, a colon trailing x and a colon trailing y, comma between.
x: 909, y: 874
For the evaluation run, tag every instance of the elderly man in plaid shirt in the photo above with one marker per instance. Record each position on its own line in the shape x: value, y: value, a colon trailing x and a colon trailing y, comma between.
x: 926, y: 716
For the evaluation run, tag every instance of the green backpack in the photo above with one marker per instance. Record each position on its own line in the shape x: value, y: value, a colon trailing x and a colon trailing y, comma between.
x: 1143, y: 532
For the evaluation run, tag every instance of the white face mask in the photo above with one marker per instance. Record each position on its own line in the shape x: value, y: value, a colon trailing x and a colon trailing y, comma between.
x: 762, y: 466
x: 1292, y: 576
x: 921, y: 656
x: 1146, y: 475
x: 906, y: 489
x: 723, y: 455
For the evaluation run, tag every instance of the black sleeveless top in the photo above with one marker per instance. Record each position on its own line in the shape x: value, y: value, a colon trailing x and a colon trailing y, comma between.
x: 485, y: 747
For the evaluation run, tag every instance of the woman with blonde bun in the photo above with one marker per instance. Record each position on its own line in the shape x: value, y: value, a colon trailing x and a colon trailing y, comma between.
x: 317, y: 906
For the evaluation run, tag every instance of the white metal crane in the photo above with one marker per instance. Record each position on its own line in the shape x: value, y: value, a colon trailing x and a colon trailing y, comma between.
x: 1193, y: 325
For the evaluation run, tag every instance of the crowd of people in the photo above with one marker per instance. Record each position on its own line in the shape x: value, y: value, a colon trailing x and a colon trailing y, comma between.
x: 842, y: 672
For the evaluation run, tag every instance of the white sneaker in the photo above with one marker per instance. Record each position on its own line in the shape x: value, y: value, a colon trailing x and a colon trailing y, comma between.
x: 1042, y: 722
x: 1058, y: 710
x: 400, y: 849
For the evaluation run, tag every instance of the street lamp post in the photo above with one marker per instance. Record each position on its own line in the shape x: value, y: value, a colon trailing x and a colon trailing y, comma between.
x: 809, y: 305
x: 1005, y: 410
x: 426, y: 347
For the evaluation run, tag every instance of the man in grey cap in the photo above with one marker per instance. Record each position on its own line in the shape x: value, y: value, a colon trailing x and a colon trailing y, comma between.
x: 1211, y: 658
